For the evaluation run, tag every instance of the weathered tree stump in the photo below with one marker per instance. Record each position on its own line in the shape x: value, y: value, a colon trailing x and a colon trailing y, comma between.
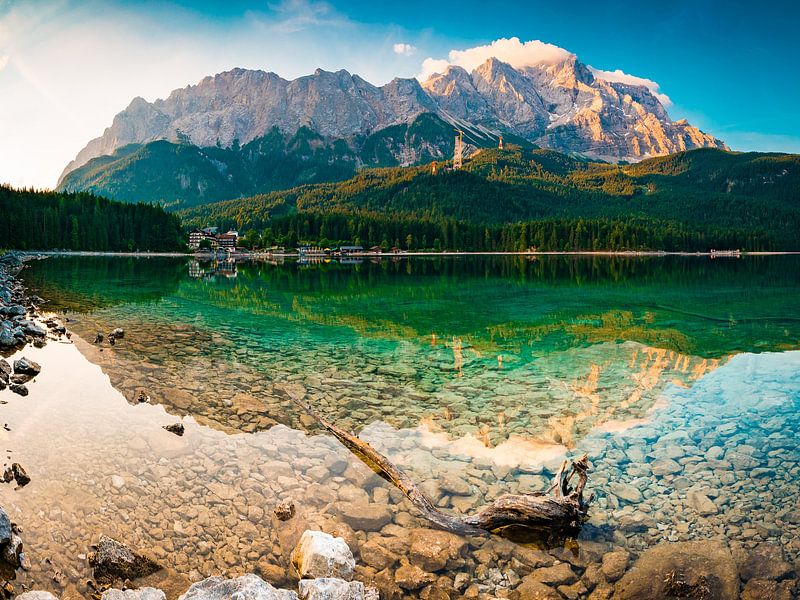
x: 561, y: 507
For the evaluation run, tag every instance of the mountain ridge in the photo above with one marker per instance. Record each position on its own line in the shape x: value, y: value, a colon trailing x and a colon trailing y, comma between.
x: 563, y: 106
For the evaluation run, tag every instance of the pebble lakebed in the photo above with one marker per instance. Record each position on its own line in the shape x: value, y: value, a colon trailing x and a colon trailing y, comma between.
x: 717, y: 460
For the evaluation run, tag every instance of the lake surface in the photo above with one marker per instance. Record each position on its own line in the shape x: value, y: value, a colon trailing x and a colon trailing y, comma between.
x: 679, y: 376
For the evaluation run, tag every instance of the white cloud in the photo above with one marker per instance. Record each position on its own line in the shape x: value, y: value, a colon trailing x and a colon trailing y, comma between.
x: 510, y: 50
x: 404, y: 49
x: 528, y: 54
x: 4, y: 58
x: 618, y: 76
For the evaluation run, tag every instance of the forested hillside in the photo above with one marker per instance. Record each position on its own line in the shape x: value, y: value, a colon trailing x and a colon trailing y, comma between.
x: 515, y: 198
x: 179, y: 172
x: 51, y: 220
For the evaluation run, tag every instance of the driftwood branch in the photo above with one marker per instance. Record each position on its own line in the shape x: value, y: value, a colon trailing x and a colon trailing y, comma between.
x: 559, y: 508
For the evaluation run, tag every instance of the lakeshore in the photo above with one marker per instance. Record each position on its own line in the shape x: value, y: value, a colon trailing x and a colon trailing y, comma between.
x: 268, y: 255
x: 673, y: 460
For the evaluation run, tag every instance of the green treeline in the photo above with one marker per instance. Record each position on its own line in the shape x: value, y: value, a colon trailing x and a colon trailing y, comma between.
x: 519, y: 198
x: 33, y: 220
x: 410, y: 233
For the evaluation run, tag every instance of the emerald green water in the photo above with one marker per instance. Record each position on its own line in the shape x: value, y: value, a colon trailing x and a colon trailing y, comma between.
x: 679, y: 376
x: 456, y: 341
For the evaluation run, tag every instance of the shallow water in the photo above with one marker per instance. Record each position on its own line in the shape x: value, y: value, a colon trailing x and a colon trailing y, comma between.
x: 477, y: 375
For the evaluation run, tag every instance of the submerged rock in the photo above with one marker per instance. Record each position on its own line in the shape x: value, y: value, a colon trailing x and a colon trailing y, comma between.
x: 364, y: 516
x: 765, y: 561
x: 321, y: 555
x: 5, y: 370
x: 113, y: 560
x: 703, y: 569
x: 330, y: 588
x: 411, y: 577
x: 12, y: 550
x: 431, y: 548
x: 530, y: 589
x: 27, y: 367
x: 146, y: 593
x: 6, y: 527
x: 19, y: 388
x: 20, y: 474
x: 614, y: 564
x: 284, y: 511
x: 176, y: 428
x: 246, y: 587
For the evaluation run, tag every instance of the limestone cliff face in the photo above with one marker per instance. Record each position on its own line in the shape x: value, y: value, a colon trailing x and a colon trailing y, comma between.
x: 561, y: 106
x: 566, y: 108
x: 241, y: 105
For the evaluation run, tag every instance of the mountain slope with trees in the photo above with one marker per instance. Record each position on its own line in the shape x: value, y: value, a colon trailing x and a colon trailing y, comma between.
x: 519, y: 197
x: 182, y: 173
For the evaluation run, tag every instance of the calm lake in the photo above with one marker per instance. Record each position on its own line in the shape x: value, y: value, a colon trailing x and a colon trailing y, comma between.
x: 680, y: 376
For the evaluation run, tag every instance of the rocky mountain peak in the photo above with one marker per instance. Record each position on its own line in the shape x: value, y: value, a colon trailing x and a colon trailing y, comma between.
x: 560, y: 105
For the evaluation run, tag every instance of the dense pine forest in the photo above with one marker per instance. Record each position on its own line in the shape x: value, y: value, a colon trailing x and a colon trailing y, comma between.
x: 366, y: 228
x: 520, y: 198
x: 502, y: 200
x: 34, y: 220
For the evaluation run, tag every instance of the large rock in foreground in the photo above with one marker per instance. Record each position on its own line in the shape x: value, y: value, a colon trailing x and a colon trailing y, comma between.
x: 246, y: 587
x: 115, y: 560
x: 702, y: 570
x: 321, y: 555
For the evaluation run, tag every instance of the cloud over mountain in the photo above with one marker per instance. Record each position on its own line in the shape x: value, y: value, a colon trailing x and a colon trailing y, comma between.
x: 618, y: 76
x: 509, y: 50
x: 533, y: 53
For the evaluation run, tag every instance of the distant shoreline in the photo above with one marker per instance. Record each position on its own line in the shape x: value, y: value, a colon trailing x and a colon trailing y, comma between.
x: 262, y: 255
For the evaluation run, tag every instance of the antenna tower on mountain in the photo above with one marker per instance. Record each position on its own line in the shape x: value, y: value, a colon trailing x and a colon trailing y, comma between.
x: 458, y: 151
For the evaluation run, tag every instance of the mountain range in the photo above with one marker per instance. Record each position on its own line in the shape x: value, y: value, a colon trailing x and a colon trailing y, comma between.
x: 244, y: 132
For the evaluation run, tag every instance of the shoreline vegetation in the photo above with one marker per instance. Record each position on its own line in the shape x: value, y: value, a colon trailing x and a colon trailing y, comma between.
x: 502, y: 201
x: 403, y: 254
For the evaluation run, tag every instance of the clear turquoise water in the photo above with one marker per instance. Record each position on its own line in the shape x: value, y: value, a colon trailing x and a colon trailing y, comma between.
x: 453, y: 340
x: 487, y: 370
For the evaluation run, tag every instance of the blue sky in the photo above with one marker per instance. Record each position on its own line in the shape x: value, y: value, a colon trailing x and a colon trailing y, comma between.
x: 68, y: 66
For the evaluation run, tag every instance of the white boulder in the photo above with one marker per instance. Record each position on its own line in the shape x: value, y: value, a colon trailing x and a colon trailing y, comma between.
x: 246, y: 587
x: 321, y: 555
x: 330, y: 588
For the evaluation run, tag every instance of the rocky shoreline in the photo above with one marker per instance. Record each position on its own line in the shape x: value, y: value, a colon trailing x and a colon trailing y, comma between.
x: 379, y: 545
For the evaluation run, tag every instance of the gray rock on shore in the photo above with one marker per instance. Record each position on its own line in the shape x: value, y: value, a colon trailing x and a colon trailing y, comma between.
x: 250, y: 586
x: 26, y: 366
